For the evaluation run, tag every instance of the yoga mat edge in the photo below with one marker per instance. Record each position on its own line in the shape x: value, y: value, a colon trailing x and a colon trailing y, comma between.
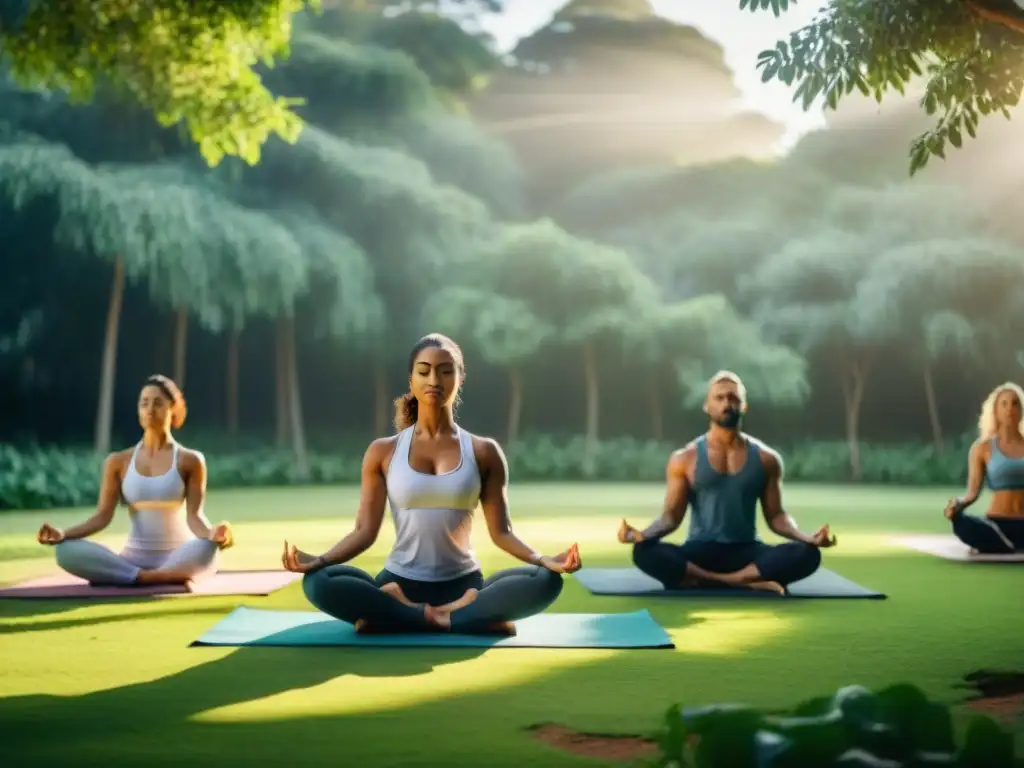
x: 630, y: 582
x: 253, y: 583
x: 271, y: 628
x: 952, y: 549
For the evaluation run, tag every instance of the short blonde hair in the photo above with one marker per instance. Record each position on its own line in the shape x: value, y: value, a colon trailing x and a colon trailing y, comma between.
x: 987, y: 420
x: 732, y: 378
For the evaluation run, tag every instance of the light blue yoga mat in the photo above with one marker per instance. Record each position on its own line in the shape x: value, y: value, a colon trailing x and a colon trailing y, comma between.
x: 822, y: 584
x: 257, y: 626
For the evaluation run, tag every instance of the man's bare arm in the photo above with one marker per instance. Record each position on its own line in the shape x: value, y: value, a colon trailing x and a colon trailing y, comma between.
x: 677, y: 493
x: 771, y: 500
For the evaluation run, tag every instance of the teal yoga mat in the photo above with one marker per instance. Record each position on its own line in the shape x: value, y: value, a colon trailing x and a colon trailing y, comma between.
x: 257, y: 626
x: 823, y: 584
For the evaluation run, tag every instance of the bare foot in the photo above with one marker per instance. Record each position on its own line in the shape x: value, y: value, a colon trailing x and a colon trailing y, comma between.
x: 364, y: 627
x: 164, y: 576
x: 437, y: 617
x: 391, y: 588
x: 462, y: 602
x: 767, y: 586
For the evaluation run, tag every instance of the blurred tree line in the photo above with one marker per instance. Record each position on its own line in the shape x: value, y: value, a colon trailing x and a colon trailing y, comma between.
x: 592, y: 290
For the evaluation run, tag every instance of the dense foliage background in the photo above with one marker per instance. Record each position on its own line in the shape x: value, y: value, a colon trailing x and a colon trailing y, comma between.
x: 595, y: 263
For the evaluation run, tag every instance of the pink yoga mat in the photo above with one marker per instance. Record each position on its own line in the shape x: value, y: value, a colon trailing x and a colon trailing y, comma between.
x: 224, y: 583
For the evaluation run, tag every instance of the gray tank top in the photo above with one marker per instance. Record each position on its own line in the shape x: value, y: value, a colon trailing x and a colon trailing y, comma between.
x: 156, y: 507
x: 433, y: 515
x: 724, y: 507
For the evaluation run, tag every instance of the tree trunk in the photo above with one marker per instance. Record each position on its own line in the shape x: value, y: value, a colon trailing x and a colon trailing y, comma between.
x: 381, y: 401
x: 657, y: 412
x: 933, y: 408
x: 593, y: 409
x: 281, y: 382
x: 108, y: 366
x: 854, y: 376
x: 515, y: 404
x: 180, y: 346
x: 232, y: 383
x: 298, y: 433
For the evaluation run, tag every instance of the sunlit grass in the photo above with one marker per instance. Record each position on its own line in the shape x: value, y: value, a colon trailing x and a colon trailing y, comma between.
x: 488, y: 673
x: 118, y: 680
x: 727, y: 633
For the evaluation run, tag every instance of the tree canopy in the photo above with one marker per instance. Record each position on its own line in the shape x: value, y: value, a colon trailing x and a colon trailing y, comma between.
x: 969, y: 52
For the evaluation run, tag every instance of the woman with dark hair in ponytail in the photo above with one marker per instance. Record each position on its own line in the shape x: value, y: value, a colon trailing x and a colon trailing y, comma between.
x: 164, y: 486
x: 434, y: 474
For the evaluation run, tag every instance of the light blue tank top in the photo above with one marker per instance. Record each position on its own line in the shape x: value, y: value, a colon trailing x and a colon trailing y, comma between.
x: 1002, y: 472
x: 433, y: 515
x: 723, y: 508
x: 156, y: 507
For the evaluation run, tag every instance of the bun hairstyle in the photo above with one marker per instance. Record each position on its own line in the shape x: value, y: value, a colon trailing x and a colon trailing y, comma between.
x: 179, y: 409
x: 406, y: 406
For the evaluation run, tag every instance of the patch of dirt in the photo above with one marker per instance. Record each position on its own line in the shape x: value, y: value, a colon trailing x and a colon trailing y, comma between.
x: 1000, y: 695
x: 602, y: 746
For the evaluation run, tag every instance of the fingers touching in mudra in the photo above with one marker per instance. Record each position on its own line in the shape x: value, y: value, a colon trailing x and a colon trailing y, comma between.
x: 297, y: 561
x: 823, y: 537
x: 49, y: 534
x: 564, y: 562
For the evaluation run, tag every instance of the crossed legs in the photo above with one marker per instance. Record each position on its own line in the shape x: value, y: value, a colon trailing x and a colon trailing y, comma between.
x: 98, y: 565
x: 468, y: 604
x: 989, y: 536
x: 768, y: 567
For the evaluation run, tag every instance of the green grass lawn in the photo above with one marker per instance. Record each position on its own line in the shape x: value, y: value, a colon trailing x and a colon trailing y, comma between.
x: 115, y: 682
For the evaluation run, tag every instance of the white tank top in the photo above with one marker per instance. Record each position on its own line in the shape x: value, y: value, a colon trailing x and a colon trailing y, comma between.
x: 156, y: 507
x: 433, y: 514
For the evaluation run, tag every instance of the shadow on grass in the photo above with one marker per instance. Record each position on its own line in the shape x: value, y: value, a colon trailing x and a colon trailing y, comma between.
x: 91, y: 621
x: 918, y: 636
x: 135, y: 605
x: 163, y: 706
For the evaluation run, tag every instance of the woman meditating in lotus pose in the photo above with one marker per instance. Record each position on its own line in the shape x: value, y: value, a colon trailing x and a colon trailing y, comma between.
x: 998, y: 458
x: 164, y: 486
x: 433, y: 474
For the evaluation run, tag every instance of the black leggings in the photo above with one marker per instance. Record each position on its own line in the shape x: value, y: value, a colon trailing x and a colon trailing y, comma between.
x: 783, y: 563
x: 990, y: 536
x: 350, y: 594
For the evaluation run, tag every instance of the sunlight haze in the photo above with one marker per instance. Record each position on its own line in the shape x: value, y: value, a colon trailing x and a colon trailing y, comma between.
x: 741, y: 33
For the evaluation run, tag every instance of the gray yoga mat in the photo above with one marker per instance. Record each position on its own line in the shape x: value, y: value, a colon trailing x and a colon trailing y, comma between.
x: 951, y: 548
x: 823, y: 584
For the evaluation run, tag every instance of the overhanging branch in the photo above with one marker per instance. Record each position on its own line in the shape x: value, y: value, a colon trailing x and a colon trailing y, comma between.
x: 1016, y: 23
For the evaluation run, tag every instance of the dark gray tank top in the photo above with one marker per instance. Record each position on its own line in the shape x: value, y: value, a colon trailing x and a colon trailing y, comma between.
x: 723, y: 507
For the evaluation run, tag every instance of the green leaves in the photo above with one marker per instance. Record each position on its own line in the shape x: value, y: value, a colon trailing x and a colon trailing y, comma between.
x: 972, y: 68
x: 707, y: 334
x: 190, y: 63
x: 582, y: 288
x: 896, y: 727
x: 777, y: 6
x: 504, y: 330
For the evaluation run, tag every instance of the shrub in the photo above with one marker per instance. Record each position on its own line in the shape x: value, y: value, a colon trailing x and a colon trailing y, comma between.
x: 897, y: 728
x: 40, y: 478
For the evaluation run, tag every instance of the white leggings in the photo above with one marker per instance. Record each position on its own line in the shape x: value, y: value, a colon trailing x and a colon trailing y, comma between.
x: 98, y: 565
